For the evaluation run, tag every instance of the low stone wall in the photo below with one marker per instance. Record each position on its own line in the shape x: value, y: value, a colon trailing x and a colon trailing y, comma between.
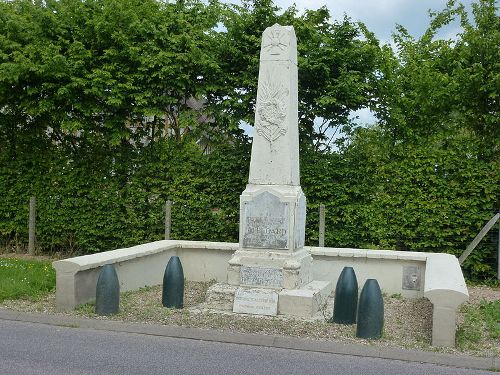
x: 139, y: 266
x: 397, y: 272
x: 437, y: 277
x: 445, y: 288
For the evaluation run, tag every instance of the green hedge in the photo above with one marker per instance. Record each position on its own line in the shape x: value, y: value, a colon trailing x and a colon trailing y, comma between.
x: 377, y: 195
x: 87, y: 205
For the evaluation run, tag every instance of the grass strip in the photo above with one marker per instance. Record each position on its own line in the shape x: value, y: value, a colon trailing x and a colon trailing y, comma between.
x: 21, y: 278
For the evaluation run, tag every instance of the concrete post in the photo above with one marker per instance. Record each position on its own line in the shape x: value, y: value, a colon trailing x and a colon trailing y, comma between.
x: 31, y: 227
x: 321, y: 225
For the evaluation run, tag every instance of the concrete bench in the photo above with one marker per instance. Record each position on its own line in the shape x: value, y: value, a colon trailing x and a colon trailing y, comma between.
x: 438, y: 277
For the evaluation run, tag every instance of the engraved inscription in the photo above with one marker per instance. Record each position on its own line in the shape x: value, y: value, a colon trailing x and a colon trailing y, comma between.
x: 255, y: 301
x: 261, y: 276
x: 265, y: 222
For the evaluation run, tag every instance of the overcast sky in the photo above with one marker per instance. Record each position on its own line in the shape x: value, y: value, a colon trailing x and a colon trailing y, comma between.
x: 381, y: 16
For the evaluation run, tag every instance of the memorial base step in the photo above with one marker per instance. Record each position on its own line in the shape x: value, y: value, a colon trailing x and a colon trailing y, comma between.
x: 306, y: 301
x: 303, y: 302
x: 220, y: 297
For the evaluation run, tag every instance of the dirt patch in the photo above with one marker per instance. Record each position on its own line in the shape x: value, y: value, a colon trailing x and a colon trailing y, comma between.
x: 479, y: 293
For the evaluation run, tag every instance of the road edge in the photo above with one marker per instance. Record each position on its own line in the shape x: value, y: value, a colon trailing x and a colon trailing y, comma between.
x: 282, y: 342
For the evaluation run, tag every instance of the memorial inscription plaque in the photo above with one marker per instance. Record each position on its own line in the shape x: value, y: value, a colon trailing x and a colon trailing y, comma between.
x: 255, y: 301
x: 411, y: 278
x: 261, y: 276
x: 265, y: 222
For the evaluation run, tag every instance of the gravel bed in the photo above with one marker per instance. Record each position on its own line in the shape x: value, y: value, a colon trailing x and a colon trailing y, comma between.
x: 408, y: 322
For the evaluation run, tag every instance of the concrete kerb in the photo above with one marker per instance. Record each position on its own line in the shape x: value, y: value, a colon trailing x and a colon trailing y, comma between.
x: 282, y: 342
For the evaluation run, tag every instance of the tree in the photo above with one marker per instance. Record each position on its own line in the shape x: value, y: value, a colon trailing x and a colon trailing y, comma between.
x: 103, y: 72
x: 476, y: 69
x: 437, y: 136
x: 335, y: 66
x: 437, y: 86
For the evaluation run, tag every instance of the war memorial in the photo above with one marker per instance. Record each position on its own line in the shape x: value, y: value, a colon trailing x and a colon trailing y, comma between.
x: 270, y: 271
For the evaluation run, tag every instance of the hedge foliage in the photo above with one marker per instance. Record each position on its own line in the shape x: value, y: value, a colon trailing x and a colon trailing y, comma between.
x: 87, y: 205
x: 420, y: 198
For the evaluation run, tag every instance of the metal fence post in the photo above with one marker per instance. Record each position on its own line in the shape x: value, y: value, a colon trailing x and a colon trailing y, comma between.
x: 478, y: 238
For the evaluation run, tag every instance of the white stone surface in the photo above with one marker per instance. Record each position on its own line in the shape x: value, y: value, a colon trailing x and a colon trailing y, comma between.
x: 272, y: 217
x: 256, y: 301
x: 388, y: 270
x: 299, y: 235
x: 266, y: 222
x: 273, y: 206
x: 139, y: 266
x: 220, y: 296
x: 306, y: 301
x: 261, y: 276
x: 275, y: 146
x: 445, y: 288
x: 296, y: 266
x: 442, y: 279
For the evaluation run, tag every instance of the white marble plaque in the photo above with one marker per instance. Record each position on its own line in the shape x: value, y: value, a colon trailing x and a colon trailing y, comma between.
x: 265, y: 223
x: 261, y: 276
x: 255, y: 301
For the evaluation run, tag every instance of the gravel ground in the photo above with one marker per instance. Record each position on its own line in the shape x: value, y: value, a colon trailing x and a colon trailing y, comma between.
x: 408, y: 322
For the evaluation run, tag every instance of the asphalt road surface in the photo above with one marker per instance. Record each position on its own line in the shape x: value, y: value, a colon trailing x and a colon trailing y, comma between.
x: 30, y: 348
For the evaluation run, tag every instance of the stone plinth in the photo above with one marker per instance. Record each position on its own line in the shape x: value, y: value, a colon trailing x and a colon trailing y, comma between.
x: 256, y: 301
x: 295, y: 269
x: 272, y: 218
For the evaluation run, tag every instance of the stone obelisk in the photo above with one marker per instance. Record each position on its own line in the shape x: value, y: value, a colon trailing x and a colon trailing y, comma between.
x: 271, y: 251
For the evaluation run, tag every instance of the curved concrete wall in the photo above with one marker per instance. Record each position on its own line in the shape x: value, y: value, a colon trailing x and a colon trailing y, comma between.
x: 437, y: 277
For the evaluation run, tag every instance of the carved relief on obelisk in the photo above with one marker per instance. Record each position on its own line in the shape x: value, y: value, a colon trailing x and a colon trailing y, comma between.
x: 271, y: 113
x: 275, y: 148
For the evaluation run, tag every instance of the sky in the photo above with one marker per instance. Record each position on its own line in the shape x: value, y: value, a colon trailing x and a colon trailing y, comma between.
x: 380, y: 17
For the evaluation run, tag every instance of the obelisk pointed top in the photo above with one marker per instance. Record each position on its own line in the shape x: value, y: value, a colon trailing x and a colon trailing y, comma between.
x: 275, y: 148
x: 279, y: 43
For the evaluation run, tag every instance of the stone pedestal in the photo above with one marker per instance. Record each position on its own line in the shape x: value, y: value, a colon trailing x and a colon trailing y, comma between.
x: 282, y: 271
x: 272, y: 231
x: 272, y: 217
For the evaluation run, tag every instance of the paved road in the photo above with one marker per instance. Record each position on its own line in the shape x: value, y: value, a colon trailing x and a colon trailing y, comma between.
x: 31, y: 348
